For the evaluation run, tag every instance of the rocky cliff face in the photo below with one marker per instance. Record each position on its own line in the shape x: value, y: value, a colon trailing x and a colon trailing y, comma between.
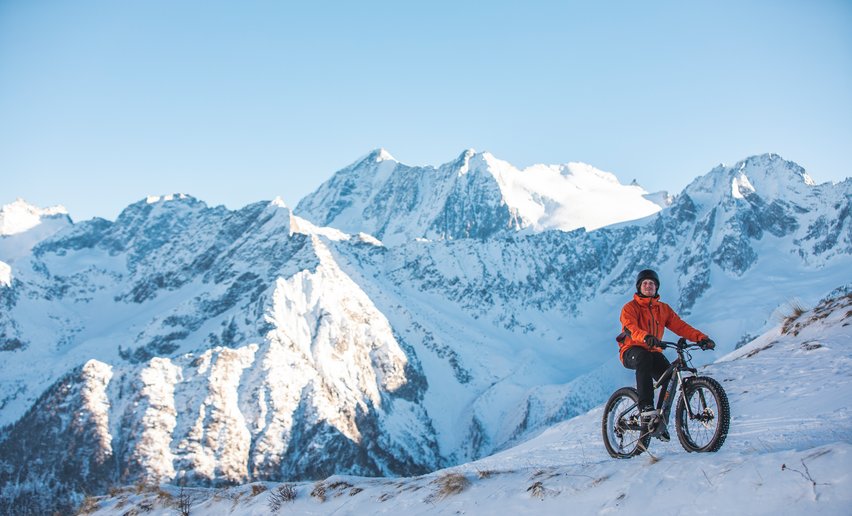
x: 183, y: 343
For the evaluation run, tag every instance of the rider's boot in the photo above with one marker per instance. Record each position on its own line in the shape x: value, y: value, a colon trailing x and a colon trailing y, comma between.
x: 647, y: 417
x: 652, y: 424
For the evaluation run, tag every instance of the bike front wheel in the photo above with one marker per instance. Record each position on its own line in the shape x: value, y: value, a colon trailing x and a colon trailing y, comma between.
x: 621, y: 425
x: 702, y: 415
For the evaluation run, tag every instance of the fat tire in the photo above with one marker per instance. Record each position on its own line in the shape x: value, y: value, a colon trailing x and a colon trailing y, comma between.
x: 723, y: 417
x: 613, y: 450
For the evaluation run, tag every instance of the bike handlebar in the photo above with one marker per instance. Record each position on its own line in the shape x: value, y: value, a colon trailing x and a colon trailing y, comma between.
x: 680, y: 344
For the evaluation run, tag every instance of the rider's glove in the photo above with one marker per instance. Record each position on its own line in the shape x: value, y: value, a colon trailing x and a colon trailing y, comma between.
x: 652, y: 342
x: 706, y: 344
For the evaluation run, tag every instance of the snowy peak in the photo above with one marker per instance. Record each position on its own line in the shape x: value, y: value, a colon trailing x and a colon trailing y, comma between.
x: 574, y: 195
x: 176, y: 201
x: 374, y: 156
x: 279, y: 202
x: 153, y: 199
x: 662, y: 198
x: 474, y: 196
x: 374, y: 167
x: 166, y: 211
x: 767, y: 175
x: 23, y: 226
x: 469, y: 159
x: 20, y: 216
x: 381, y: 155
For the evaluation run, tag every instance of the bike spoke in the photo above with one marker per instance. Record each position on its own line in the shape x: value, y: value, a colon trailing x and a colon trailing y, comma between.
x: 702, y: 402
x: 623, y: 426
x: 701, y: 424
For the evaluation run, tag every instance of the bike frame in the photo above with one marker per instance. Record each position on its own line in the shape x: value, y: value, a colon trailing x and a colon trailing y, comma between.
x: 675, y: 378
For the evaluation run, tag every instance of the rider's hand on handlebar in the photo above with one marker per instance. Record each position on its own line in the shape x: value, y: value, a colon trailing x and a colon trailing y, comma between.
x: 706, y: 344
x: 652, y: 342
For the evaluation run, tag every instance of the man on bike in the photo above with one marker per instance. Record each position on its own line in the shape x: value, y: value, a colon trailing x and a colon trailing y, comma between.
x: 643, y: 320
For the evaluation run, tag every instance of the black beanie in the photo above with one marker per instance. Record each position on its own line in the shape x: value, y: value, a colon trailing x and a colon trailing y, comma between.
x: 647, y: 274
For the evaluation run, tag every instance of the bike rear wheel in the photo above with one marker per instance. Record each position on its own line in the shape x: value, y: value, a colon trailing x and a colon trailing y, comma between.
x: 621, y: 426
x: 706, y: 429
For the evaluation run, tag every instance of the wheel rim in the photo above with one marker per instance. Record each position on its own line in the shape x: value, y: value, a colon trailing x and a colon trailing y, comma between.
x: 702, y: 427
x: 623, y: 432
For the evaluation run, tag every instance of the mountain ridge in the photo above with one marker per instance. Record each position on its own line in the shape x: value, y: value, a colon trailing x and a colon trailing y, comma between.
x: 437, y: 352
x: 398, y: 203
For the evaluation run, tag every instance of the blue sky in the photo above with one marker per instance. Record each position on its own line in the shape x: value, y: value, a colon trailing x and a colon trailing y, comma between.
x: 104, y: 103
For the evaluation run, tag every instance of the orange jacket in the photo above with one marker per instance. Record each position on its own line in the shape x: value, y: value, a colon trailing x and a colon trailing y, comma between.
x: 649, y: 316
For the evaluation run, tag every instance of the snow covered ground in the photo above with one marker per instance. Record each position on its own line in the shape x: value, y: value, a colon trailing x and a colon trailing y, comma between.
x: 789, y: 451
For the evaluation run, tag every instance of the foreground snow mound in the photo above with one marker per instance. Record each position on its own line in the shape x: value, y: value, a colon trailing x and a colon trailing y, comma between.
x: 789, y: 451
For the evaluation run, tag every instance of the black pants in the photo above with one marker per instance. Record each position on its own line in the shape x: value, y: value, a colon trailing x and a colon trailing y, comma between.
x: 649, y: 366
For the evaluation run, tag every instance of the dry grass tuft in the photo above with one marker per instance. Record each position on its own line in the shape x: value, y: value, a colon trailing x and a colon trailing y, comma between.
x: 287, y: 492
x: 811, y: 345
x: 119, y: 490
x: 537, y: 490
x: 142, y: 487
x: 758, y: 350
x: 122, y: 501
x: 318, y: 491
x: 487, y: 473
x: 90, y: 504
x: 451, y: 484
x: 794, y: 311
x: 546, y: 473
x: 284, y: 493
x: 164, y: 496
x: 256, y: 489
x: 338, y: 487
x: 600, y: 480
x: 236, y: 500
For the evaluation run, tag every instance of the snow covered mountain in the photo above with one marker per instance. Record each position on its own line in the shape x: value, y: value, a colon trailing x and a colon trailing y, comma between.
x: 20, y: 216
x: 184, y: 343
x: 476, y: 195
x: 787, y: 452
x: 22, y: 225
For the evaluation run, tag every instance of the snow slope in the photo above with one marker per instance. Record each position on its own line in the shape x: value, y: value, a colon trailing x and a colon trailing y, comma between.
x: 789, y: 451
